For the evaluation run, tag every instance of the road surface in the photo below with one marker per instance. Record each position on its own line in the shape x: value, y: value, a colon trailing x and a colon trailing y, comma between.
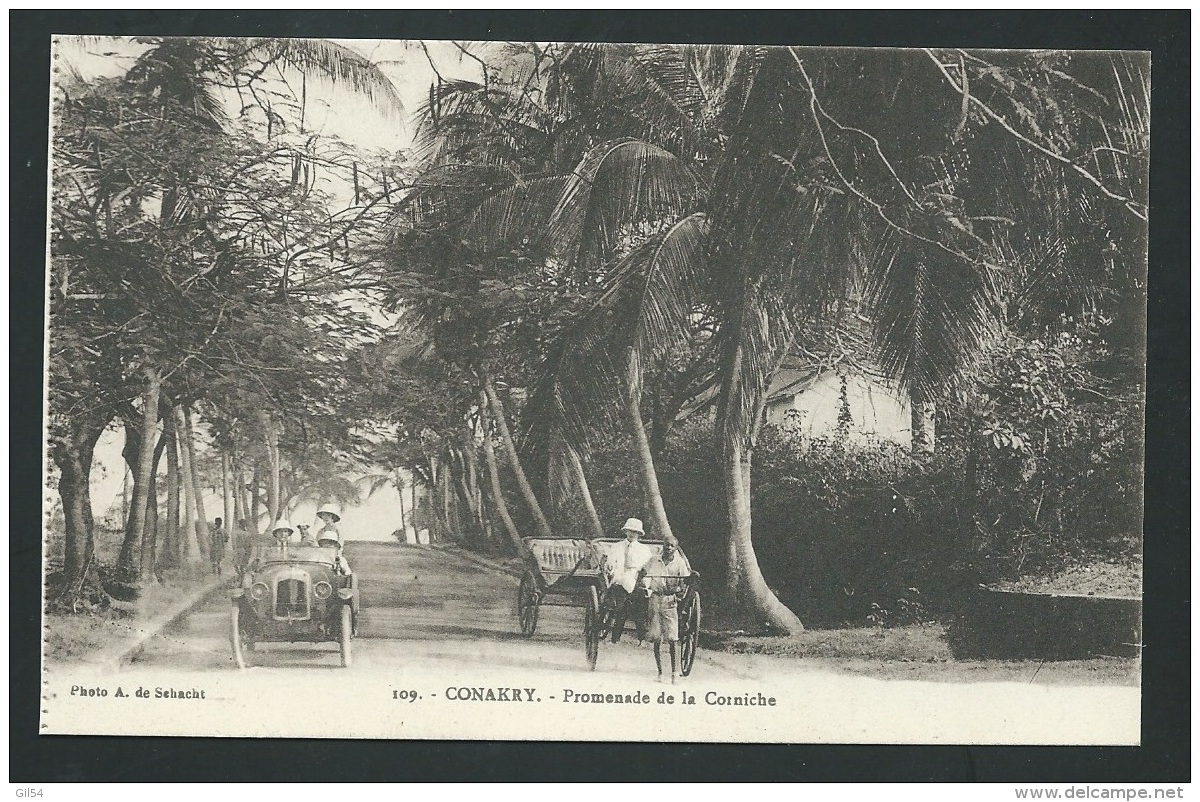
x: 424, y: 606
x: 438, y: 626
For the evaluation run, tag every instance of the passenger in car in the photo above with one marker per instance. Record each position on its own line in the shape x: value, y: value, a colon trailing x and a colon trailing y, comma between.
x: 328, y: 534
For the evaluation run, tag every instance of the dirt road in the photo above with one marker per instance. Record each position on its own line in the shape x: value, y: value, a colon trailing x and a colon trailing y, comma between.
x: 425, y: 606
x: 437, y: 628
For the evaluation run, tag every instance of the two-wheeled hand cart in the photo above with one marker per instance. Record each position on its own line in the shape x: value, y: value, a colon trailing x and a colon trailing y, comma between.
x: 567, y: 572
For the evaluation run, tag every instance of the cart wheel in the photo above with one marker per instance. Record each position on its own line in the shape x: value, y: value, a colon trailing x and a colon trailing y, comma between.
x: 347, y: 632
x: 591, y: 628
x: 237, y: 637
x: 689, y: 634
x: 527, y: 604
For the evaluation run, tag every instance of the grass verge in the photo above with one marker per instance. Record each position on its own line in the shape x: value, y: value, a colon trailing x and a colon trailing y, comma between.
x: 919, y: 652
x: 89, y: 636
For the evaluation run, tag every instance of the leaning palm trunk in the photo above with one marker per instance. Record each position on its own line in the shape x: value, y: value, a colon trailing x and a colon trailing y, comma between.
x: 651, y: 492
x: 746, y: 588
x: 743, y: 401
x: 493, y: 471
x: 489, y: 397
x: 585, y: 491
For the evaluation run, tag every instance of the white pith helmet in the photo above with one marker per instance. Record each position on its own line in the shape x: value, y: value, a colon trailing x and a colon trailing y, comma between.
x: 332, y: 509
x: 633, y: 525
x: 282, y: 524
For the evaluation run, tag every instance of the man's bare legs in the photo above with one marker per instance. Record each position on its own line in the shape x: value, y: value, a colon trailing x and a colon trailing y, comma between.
x: 658, y: 658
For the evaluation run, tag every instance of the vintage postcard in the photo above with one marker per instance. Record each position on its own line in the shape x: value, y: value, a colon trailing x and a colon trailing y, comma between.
x: 574, y: 391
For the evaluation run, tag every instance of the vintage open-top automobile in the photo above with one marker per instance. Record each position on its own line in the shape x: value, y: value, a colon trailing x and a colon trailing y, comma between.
x: 291, y: 593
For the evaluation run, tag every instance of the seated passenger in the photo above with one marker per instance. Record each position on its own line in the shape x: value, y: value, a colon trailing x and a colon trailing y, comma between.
x: 623, y: 561
x: 328, y: 534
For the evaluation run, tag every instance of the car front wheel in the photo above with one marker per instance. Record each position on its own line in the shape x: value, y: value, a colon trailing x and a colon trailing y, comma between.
x: 347, y: 633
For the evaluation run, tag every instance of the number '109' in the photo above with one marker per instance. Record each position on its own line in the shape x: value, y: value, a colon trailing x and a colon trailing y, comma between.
x: 405, y: 696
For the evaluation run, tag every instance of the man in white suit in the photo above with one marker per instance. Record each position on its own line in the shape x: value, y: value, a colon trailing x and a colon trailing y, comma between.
x: 624, y: 561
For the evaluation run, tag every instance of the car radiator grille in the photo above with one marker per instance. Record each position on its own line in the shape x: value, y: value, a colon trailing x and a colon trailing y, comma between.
x: 291, y: 599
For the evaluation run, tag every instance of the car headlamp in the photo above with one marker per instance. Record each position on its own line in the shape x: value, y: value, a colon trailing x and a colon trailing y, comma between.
x: 322, y: 590
x: 259, y: 591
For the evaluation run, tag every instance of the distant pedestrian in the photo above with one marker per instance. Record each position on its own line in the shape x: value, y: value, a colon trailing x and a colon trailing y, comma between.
x: 217, y: 540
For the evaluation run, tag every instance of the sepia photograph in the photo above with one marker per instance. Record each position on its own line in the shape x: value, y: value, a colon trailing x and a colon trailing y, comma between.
x: 578, y: 391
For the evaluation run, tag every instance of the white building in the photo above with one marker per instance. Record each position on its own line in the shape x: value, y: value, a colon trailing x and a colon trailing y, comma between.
x: 813, y: 399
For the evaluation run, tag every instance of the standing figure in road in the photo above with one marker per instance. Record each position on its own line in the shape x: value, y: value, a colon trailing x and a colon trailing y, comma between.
x: 216, y: 544
x: 623, y: 563
x: 328, y: 535
x: 661, y: 581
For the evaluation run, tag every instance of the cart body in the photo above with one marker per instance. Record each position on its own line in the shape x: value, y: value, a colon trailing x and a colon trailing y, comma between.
x: 570, y: 572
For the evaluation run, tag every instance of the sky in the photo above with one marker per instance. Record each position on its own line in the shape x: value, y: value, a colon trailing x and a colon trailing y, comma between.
x: 330, y: 110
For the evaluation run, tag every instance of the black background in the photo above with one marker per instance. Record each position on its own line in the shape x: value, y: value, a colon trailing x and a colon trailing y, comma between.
x: 1166, y: 701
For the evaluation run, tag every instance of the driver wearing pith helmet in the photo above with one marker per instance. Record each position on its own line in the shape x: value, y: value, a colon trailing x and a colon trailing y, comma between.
x: 282, y: 531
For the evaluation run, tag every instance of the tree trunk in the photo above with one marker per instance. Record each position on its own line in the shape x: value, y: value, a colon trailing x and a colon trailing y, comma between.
x: 585, y: 491
x: 148, y: 572
x: 651, y: 493
x: 190, y: 554
x: 131, y: 548
x: 239, y: 502
x: 747, y: 592
x: 131, y: 452
x: 255, y: 498
x: 202, y: 530
x: 399, y: 480
x: 73, y: 456
x: 227, y: 499
x: 467, y: 518
x: 746, y: 588
x: 493, y: 472
x: 489, y: 396
x: 169, y: 553
x: 924, y: 436
x: 272, y: 438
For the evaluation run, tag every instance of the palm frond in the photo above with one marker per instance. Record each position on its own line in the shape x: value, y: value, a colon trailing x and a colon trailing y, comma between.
x: 617, y: 184
x: 932, y: 316
x: 340, y: 65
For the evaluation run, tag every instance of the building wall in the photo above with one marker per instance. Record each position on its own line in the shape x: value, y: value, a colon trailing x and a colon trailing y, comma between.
x: 878, y: 411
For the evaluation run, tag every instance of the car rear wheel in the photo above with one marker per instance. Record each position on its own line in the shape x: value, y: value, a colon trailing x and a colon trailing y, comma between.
x: 347, y: 633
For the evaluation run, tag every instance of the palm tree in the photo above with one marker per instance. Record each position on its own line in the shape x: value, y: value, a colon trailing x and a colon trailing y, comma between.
x: 810, y: 179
